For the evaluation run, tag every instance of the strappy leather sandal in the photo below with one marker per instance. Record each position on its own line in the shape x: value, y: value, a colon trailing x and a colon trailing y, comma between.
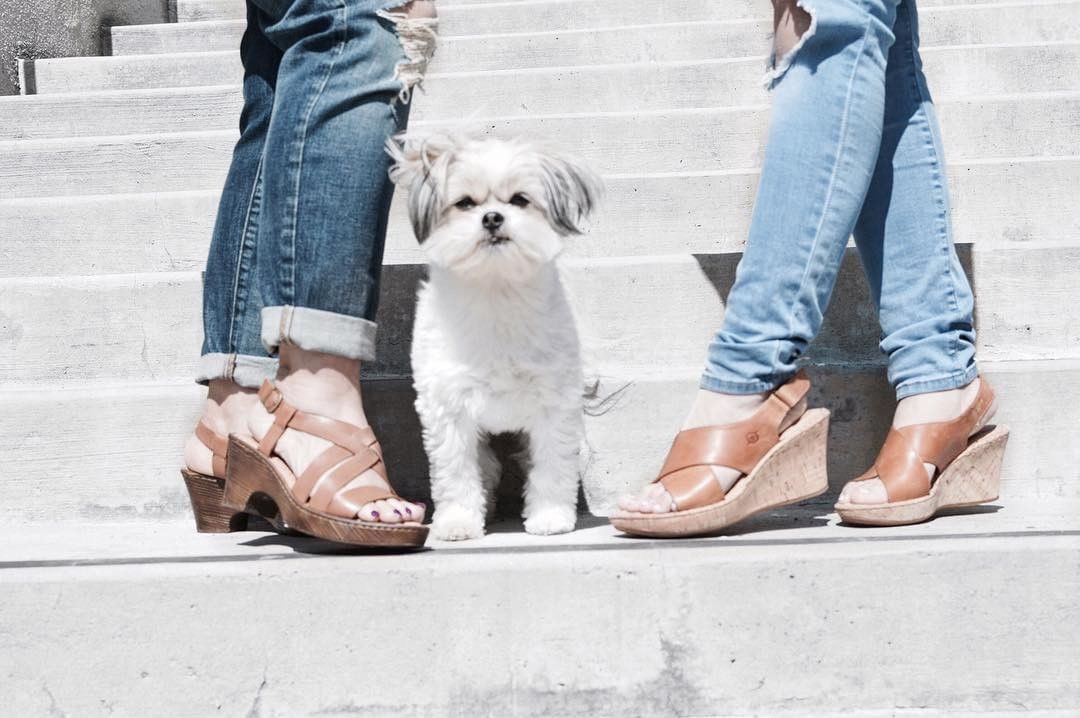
x: 966, y: 452
x: 207, y: 492
x: 779, y: 469
x: 318, y: 502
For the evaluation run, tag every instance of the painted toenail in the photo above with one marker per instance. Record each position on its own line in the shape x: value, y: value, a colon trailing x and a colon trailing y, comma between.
x: 397, y: 512
x: 408, y: 511
x: 375, y: 514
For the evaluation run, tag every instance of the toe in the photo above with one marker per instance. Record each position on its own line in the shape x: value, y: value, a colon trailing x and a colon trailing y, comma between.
x: 388, y: 513
x: 415, y: 511
x: 871, y: 491
x: 369, y: 512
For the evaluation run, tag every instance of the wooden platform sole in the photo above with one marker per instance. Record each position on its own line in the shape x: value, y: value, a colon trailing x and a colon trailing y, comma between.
x: 973, y: 478
x: 253, y: 478
x: 207, y: 494
x: 794, y: 470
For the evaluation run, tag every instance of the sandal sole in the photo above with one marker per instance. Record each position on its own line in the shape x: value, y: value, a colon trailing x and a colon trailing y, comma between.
x: 251, y: 476
x: 972, y: 479
x: 792, y: 471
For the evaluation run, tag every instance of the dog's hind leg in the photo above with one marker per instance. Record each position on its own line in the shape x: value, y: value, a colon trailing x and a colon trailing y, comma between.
x: 457, y: 484
x: 551, y: 489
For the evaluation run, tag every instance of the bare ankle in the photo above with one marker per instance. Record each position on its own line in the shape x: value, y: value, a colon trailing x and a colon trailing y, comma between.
x: 322, y: 383
x: 713, y: 408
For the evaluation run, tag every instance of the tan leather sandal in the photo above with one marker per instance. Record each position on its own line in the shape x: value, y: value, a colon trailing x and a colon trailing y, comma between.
x: 207, y: 492
x: 778, y: 469
x: 318, y: 502
x: 966, y: 452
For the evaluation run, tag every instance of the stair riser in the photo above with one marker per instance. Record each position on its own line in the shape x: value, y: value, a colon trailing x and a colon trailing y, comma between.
x: 83, y: 440
x: 994, y: 205
x: 461, y: 49
x: 654, y: 312
x: 488, y: 16
x: 953, y: 72
x: 705, y: 140
x: 219, y: 629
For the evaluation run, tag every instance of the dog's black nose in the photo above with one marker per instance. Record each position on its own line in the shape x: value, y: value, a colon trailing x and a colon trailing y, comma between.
x: 492, y: 221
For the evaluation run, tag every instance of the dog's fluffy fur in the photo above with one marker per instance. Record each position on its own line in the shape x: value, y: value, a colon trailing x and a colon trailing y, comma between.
x: 495, y: 348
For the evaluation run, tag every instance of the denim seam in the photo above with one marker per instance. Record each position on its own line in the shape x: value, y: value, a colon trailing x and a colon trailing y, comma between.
x: 939, y: 184
x: 832, y: 183
x: 254, y: 207
x: 295, y: 199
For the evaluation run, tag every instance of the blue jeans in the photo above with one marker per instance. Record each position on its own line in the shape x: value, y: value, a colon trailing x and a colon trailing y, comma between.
x: 853, y: 148
x: 298, y: 242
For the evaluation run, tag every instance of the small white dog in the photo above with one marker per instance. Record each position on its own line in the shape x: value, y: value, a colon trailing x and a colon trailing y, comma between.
x: 495, y: 348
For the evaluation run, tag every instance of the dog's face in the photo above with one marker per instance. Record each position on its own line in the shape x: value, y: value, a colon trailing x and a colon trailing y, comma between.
x: 491, y: 210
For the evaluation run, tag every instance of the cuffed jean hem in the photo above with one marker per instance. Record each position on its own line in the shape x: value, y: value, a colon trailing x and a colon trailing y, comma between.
x: 242, y: 369
x: 315, y: 330
x: 709, y: 383
x: 956, y: 380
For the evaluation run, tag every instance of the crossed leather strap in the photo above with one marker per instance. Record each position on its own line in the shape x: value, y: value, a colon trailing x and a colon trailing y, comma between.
x: 322, y: 485
x: 899, y: 465
x: 687, y: 473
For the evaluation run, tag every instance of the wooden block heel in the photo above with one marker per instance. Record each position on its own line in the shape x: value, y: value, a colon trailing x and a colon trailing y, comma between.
x: 781, y: 468
x: 211, y: 515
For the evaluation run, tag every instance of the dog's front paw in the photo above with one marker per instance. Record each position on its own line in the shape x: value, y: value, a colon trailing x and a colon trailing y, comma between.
x: 455, y: 523
x: 551, y: 520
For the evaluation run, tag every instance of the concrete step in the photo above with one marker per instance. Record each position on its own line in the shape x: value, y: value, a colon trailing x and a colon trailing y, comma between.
x: 833, y: 611
x: 1006, y: 203
x: 111, y: 452
x: 615, y: 143
x: 462, y: 49
x: 953, y: 71
x: 633, y: 313
x: 507, y: 16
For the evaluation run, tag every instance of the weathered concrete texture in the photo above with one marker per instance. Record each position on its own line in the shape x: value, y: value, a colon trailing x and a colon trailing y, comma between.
x: 995, y: 204
x: 955, y: 72
x: 47, y: 440
x: 500, y: 16
x: 710, y: 628
x: 674, y: 141
x: 31, y: 29
x: 462, y: 50
x: 633, y: 314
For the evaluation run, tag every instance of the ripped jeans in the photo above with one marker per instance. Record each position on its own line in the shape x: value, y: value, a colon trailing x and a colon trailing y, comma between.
x: 853, y: 149
x: 297, y: 247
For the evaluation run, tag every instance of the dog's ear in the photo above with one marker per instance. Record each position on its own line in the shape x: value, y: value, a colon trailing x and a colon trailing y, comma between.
x: 572, y: 190
x: 420, y: 167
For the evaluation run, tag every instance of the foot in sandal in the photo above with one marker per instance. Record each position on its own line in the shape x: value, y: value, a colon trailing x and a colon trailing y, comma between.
x: 941, y: 453
x: 736, y: 456
x: 312, y: 451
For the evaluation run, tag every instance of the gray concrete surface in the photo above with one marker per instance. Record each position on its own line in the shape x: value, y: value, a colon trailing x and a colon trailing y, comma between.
x: 124, y: 464
x: 950, y: 618
x: 31, y: 29
x: 463, y: 50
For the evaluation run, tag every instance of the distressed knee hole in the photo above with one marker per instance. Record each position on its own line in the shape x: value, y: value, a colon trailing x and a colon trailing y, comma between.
x: 793, y: 25
x: 417, y: 27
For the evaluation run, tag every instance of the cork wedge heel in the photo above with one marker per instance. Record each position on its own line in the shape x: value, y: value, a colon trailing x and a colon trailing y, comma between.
x: 780, y: 468
x: 322, y: 501
x: 967, y: 451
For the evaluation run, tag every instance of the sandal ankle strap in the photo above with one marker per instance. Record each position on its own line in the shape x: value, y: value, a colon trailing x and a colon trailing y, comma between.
x: 218, y: 445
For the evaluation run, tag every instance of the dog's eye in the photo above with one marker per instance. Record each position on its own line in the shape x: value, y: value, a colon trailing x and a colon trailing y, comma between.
x: 519, y: 200
x: 465, y: 203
